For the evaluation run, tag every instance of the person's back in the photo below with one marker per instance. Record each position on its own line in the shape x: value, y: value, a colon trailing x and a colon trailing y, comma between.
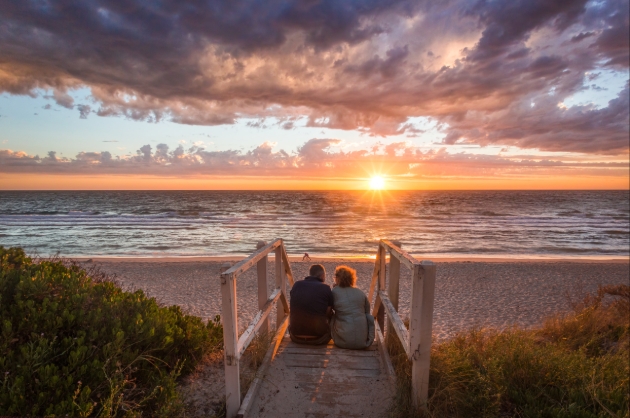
x: 352, y: 326
x: 311, y: 306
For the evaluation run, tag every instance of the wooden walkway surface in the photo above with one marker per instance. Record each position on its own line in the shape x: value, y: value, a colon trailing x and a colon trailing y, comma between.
x: 322, y: 382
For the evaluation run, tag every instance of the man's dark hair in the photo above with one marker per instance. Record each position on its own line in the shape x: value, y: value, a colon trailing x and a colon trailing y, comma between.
x: 316, y: 270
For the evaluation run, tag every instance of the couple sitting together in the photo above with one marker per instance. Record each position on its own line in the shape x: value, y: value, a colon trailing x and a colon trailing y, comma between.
x: 319, y: 313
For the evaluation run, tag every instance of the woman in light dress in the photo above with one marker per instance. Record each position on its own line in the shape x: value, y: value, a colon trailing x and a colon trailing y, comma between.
x: 352, y: 326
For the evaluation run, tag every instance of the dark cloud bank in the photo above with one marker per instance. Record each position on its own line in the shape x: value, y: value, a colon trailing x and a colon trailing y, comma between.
x: 475, y: 66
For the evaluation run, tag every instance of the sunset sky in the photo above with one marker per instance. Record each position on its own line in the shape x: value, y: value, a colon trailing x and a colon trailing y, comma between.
x: 455, y: 94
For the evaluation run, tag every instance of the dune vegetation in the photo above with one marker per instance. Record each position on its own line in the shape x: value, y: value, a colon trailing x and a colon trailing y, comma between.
x: 74, y: 344
x: 575, y: 365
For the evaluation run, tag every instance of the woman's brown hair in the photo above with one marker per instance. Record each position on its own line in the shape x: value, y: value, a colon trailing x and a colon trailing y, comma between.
x: 347, y: 276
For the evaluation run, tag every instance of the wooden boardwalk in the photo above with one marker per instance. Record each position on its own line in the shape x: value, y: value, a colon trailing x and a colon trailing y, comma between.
x: 326, y: 381
x: 323, y: 382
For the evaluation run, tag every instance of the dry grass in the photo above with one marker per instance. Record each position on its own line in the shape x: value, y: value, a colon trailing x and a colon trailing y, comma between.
x: 252, y: 359
x: 204, y: 391
x: 573, y: 366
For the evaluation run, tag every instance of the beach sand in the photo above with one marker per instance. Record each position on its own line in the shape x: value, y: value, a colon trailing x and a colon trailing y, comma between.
x: 491, y: 293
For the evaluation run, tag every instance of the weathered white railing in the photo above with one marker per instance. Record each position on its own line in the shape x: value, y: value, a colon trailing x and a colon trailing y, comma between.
x: 235, y: 346
x: 417, y: 339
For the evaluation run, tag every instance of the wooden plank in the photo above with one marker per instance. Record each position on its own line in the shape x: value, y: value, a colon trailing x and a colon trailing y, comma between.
x: 387, y: 361
x: 420, y: 368
x: 365, y: 362
x: 393, y: 287
x: 380, y: 313
x: 312, y: 362
x: 299, y: 403
x: 263, y: 289
x: 284, y: 302
x: 257, y: 322
x: 229, y: 320
x: 397, y: 323
x: 313, y: 395
x: 404, y: 257
x: 329, y: 376
x: 355, y: 386
x: 330, y: 346
x: 262, y: 371
x: 377, y: 306
x: 248, y: 262
x: 414, y: 334
x: 280, y: 332
x: 287, y: 266
x: 394, y: 280
x: 331, y: 373
x: 279, y: 276
x: 374, y: 281
x: 333, y: 352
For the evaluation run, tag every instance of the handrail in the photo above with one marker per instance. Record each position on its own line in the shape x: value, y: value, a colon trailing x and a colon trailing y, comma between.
x: 287, y: 266
x: 377, y: 268
x: 416, y: 340
x: 234, y: 345
x: 400, y: 254
x: 248, y: 262
x: 398, y: 325
x: 249, y: 334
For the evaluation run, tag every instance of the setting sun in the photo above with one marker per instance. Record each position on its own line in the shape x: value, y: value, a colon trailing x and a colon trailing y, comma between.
x: 377, y: 183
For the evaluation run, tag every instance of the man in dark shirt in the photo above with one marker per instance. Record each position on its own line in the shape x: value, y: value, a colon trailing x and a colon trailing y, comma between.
x: 311, y: 308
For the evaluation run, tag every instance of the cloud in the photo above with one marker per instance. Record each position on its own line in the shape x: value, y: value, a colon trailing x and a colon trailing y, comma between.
x: 314, y: 159
x: 368, y: 65
x: 84, y: 110
x: 550, y: 126
x: 63, y: 99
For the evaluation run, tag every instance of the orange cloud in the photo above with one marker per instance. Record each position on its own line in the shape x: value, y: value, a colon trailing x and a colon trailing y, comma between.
x: 314, y: 165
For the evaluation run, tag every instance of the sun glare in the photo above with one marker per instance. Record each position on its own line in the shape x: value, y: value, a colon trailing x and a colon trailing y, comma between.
x: 377, y: 183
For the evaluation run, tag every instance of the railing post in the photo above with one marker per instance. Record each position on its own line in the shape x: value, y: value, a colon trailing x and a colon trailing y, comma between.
x: 420, y: 330
x: 229, y: 320
x: 393, y: 290
x: 263, y: 289
x: 380, y: 315
x: 281, y: 282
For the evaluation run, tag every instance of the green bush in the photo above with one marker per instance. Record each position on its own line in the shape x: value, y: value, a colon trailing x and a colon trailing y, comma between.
x: 72, y: 345
x: 573, y: 366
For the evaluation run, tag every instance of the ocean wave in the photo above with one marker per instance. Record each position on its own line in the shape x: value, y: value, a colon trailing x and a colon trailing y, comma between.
x: 324, y: 222
x: 157, y: 247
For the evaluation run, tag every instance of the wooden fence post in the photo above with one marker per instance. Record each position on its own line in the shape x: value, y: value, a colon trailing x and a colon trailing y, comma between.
x: 281, y: 283
x: 229, y: 320
x: 380, y: 315
x: 426, y: 327
x: 263, y: 289
x: 393, y: 290
x: 420, y: 330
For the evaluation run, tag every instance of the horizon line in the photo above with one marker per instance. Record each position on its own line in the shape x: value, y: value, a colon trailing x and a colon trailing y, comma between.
x: 314, y: 190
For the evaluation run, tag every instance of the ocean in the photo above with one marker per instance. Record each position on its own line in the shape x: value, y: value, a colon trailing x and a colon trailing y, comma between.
x: 216, y: 223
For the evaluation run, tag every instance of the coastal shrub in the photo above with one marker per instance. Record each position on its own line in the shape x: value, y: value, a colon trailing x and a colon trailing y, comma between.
x: 573, y: 366
x: 72, y: 345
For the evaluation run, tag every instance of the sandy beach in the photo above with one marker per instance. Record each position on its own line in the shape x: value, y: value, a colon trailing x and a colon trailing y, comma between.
x: 482, y: 293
